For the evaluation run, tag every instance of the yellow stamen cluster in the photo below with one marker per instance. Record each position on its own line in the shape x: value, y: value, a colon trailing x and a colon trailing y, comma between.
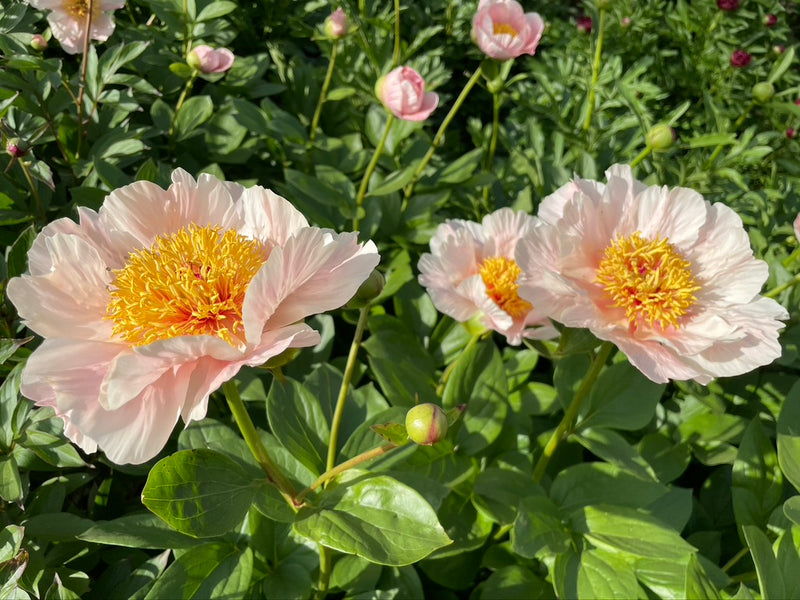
x: 504, y: 28
x: 192, y: 282
x: 500, y: 277
x: 649, y: 279
x: 78, y: 9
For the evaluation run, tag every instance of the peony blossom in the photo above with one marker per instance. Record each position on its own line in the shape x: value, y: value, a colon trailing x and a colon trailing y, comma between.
x: 402, y: 91
x: 67, y: 20
x: 337, y: 25
x: 663, y: 274
x: 740, y: 58
x: 471, y: 274
x: 503, y: 30
x: 208, y: 60
x: 154, y: 302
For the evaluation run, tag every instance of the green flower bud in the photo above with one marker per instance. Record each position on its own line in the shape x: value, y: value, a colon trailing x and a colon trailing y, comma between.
x: 660, y: 137
x: 763, y: 91
x: 369, y: 290
x: 426, y: 424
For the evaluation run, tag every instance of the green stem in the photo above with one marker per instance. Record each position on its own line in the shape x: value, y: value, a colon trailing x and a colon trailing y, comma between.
x: 449, y: 370
x: 349, y: 367
x: 325, y: 562
x: 595, y: 70
x: 568, y: 420
x: 84, y: 67
x: 774, y: 292
x: 34, y: 190
x: 323, y: 93
x: 362, y: 189
x: 186, y: 89
x: 642, y: 155
x: 439, y: 134
x: 253, y: 440
x: 396, y: 52
x: 345, y: 466
x: 791, y: 258
x: 492, y: 141
x: 736, y: 558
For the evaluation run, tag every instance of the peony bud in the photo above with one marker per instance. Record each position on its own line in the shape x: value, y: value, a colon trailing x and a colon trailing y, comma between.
x: 740, y: 59
x: 791, y: 133
x: 208, y: 60
x: 337, y: 25
x: 728, y: 5
x: 369, y: 290
x: 625, y: 23
x: 38, y: 42
x: 770, y: 20
x: 778, y: 49
x: 584, y: 24
x: 426, y: 424
x: 14, y: 149
x: 763, y: 91
x: 660, y: 137
x: 402, y: 92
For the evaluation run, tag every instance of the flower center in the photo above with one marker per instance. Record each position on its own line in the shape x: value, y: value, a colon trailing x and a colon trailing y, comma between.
x: 649, y: 279
x: 192, y: 282
x: 500, y: 277
x: 504, y: 29
x: 78, y: 9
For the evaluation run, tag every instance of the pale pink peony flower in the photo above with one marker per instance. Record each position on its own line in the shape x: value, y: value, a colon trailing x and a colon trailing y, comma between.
x: 337, y: 25
x: 471, y: 274
x: 151, y: 304
x: 67, y: 20
x: 503, y: 30
x: 208, y: 60
x: 402, y: 91
x: 663, y: 274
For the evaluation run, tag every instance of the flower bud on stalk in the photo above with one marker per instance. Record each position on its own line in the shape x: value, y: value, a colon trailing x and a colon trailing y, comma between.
x: 763, y: 92
x: 14, y: 149
x: 369, y: 290
x: 661, y: 137
x: 38, y: 42
x: 770, y: 20
x: 402, y: 92
x: 426, y: 424
x: 208, y: 60
x: 337, y: 25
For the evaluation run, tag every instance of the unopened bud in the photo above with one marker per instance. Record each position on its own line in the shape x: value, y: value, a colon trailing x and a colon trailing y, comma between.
x: 337, y: 25
x: 791, y: 133
x: 368, y: 291
x: 763, y: 91
x: 626, y: 22
x: 770, y: 20
x: 584, y: 24
x: 778, y: 49
x: 426, y: 424
x: 660, y: 137
x: 38, y: 42
x: 14, y: 148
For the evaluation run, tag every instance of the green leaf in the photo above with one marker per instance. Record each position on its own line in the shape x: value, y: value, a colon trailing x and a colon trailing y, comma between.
x: 216, y: 9
x: 297, y: 420
x: 395, y: 433
x: 539, y: 527
x: 770, y: 578
x: 698, y: 584
x: 711, y: 139
x: 10, y: 541
x: 288, y: 580
x: 217, y: 570
x: 789, y: 436
x: 201, y: 493
x: 53, y: 450
x: 603, y: 574
x: 613, y: 448
x: 354, y: 574
x: 791, y: 508
x: 757, y: 479
x: 515, y: 582
x: 194, y: 112
x: 395, y: 181
x: 479, y: 380
x: 339, y: 94
x: 11, y: 489
x: 377, y: 518
x: 621, y: 398
x: 9, y: 346
x: 17, y: 259
x: 781, y: 65
x: 497, y: 492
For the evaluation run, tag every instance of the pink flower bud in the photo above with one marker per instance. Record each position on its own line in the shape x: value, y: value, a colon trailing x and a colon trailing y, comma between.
x: 797, y: 227
x: 740, y: 59
x: 791, y: 134
x: 626, y: 22
x: 38, y: 42
x: 209, y: 60
x: 426, y: 424
x: 503, y: 30
x: 797, y: 102
x: 770, y: 21
x: 402, y: 91
x: 728, y: 5
x: 584, y: 24
x: 337, y: 25
x: 14, y: 149
x: 778, y: 49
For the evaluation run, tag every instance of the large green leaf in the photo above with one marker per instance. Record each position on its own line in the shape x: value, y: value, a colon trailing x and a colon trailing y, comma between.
x: 515, y: 582
x: 789, y: 436
x: 539, y: 527
x: 757, y: 479
x: 770, y: 578
x: 603, y: 574
x: 201, y: 493
x: 498, y: 491
x: 377, y: 518
x: 479, y: 380
x: 698, y: 584
x: 217, y: 570
x: 194, y: 112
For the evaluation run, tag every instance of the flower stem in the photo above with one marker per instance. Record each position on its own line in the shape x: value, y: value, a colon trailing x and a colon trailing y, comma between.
x: 34, y: 190
x: 642, y: 155
x: 336, y: 422
x: 251, y: 437
x: 186, y: 90
x: 324, y: 572
x: 362, y: 189
x: 736, y: 558
x: 84, y: 67
x: 439, y: 134
x: 346, y: 465
x: 323, y: 93
x: 774, y: 292
x: 595, y: 70
x: 568, y: 420
x: 396, y: 52
x: 492, y: 141
x: 791, y: 258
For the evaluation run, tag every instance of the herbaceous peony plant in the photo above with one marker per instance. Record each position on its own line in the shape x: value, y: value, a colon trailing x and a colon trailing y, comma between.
x: 418, y: 345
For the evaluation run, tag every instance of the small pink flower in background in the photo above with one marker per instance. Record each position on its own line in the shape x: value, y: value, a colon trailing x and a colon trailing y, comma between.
x: 770, y: 20
x: 666, y: 276
x: 38, y: 42
x: 791, y: 133
x: 797, y: 101
x: 728, y: 5
x: 209, y: 60
x: 778, y: 49
x: 797, y: 227
x: 504, y: 31
x: 67, y: 20
x: 584, y: 24
x: 154, y: 302
x: 402, y: 91
x: 626, y: 22
x: 337, y: 25
x: 740, y: 59
x: 471, y: 273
